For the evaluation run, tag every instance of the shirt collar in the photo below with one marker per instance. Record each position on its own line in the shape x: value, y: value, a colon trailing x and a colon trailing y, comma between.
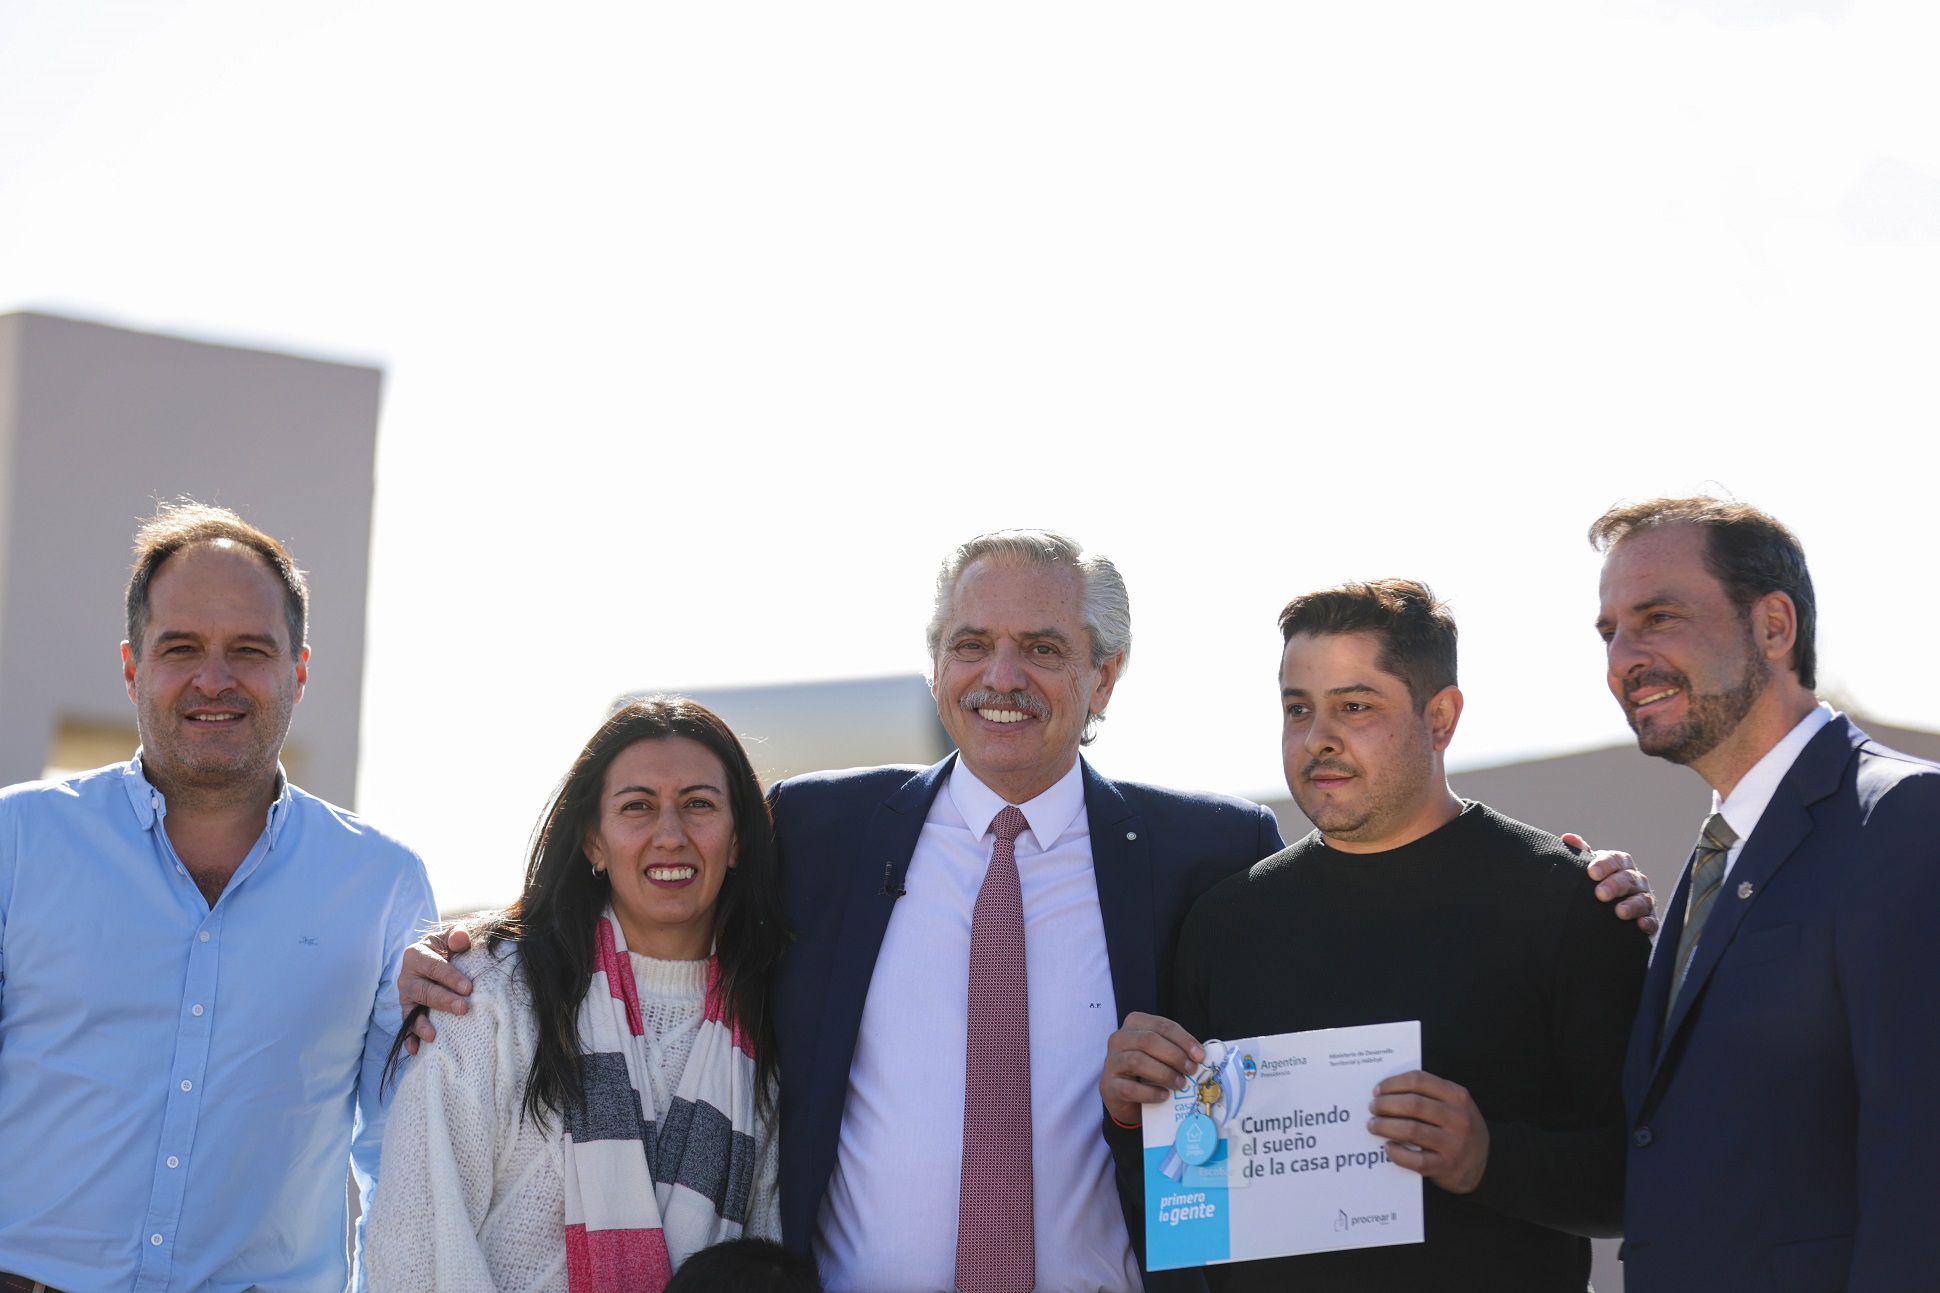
x: 1755, y: 789
x: 150, y: 807
x: 142, y: 797
x: 1049, y: 815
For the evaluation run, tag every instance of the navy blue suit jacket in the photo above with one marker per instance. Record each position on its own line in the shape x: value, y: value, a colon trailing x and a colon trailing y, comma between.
x: 1784, y: 1130
x: 846, y: 839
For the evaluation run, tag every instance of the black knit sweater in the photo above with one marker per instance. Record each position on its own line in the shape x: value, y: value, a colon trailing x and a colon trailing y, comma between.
x: 1490, y: 933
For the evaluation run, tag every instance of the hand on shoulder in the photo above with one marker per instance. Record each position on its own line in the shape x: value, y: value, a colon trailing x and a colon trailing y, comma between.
x: 436, y: 974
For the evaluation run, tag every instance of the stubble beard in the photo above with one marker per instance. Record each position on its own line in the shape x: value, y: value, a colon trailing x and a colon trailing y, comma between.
x: 181, y: 766
x: 1709, y: 717
x: 1387, y: 796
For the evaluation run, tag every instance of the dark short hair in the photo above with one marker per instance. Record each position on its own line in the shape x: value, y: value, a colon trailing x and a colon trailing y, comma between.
x: 1746, y: 550
x: 185, y: 524
x: 746, y: 1266
x: 1416, y: 631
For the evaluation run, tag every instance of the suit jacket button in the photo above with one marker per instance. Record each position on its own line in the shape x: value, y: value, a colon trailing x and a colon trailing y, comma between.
x: 1640, y: 1137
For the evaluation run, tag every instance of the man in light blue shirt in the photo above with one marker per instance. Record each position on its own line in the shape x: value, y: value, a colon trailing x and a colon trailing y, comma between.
x: 197, y: 960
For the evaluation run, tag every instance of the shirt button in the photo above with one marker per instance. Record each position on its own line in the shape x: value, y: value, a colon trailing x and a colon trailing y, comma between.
x: 155, y: 1240
x: 196, y: 1011
x: 1641, y: 1137
x: 186, y: 1084
x: 174, y: 1161
x: 203, y: 936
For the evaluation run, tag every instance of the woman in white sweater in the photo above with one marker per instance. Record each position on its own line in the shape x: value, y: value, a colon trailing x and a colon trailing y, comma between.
x: 605, y: 1108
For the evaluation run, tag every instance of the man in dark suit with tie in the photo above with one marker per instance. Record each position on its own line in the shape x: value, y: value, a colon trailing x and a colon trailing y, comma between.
x: 1782, y: 1130
x: 906, y: 1162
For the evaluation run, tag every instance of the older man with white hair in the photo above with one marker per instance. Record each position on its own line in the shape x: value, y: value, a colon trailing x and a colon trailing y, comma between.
x: 970, y: 933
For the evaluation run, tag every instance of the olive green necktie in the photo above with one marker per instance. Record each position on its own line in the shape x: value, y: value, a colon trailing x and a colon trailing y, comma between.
x: 1707, y: 874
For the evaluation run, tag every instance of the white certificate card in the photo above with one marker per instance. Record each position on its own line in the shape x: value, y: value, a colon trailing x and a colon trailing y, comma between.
x: 1294, y: 1169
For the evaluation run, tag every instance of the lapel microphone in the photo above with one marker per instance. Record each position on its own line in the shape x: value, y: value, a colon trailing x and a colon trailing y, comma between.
x: 892, y: 888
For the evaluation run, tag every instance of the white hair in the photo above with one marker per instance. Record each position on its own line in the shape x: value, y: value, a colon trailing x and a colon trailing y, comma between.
x: 1104, y: 607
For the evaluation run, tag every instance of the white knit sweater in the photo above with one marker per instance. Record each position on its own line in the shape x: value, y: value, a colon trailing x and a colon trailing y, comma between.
x: 470, y: 1195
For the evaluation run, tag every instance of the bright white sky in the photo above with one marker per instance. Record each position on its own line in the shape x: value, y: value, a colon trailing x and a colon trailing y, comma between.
x: 710, y: 327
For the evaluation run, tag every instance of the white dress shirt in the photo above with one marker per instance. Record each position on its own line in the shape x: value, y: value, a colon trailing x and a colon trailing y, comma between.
x: 889, y: 1220
x: 1755, y: 789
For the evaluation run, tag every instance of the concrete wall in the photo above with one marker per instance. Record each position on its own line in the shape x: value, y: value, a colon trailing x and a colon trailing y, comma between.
x: 97, y: 424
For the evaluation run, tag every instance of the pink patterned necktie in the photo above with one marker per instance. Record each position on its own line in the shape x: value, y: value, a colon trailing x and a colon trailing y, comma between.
x: 996, y: 1246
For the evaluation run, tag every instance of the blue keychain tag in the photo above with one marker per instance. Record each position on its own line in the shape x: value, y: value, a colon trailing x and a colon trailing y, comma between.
x: 1220, y: 1087
x: 1197, y: 1138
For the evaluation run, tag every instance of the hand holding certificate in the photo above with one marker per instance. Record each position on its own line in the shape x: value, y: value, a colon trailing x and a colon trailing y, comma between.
x: 1267, y: 1151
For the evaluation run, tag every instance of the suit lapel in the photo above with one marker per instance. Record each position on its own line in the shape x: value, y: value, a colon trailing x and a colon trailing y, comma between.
x: 1786, y: 821
x: 868, y: 883
x: 1121, y: 862
x: 874, y: 882
x: 1781, y: 829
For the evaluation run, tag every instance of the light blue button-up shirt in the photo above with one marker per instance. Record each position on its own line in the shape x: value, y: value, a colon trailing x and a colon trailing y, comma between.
x: 182, y: 1085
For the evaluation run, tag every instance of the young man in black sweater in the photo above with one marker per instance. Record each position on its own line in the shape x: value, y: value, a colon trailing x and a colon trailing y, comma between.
x: 1409, y: 903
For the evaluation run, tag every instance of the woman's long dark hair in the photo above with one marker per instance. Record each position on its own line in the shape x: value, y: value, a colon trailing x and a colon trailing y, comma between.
x: 552, y: 922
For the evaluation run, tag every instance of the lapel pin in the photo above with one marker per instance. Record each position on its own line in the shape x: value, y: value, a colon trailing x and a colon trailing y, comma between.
x: 1744, y: 888
x: 1131, y: 835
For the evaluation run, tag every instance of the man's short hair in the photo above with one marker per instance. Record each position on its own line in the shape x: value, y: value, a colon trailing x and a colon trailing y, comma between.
x: 1746, y: 550
x: 186, y: 524
x: 1104, y: 607
x: 1416, y: 631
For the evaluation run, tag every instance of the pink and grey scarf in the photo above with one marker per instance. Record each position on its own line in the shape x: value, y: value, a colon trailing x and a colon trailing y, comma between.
x: 642, y: 1196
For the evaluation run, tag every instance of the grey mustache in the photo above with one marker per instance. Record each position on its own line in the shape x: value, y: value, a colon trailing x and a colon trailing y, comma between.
x: 1022, y: 701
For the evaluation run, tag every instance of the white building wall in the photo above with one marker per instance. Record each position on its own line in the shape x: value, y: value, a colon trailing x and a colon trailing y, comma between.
x: 792, y: 728
x: 97, y: 425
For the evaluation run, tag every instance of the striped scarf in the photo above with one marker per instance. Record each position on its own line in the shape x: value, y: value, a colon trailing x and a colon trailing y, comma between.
x: 640, y: 1197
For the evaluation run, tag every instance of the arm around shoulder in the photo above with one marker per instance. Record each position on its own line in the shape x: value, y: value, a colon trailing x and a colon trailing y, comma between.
x: 1570, y: 1178
x: 1269, y: 841
x: 440, y: 1160
x: 408, y: 909
x: 410, y: 912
